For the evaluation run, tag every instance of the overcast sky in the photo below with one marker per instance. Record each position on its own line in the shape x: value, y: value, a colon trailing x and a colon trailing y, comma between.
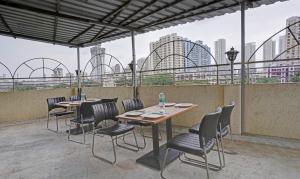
x: 261, y: 23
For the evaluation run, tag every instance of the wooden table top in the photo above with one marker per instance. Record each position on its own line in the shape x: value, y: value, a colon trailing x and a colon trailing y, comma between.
x: 170, y: 112
x: 75, y: 103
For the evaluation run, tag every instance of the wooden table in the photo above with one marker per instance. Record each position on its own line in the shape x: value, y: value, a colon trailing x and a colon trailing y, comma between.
x: 154, y: 158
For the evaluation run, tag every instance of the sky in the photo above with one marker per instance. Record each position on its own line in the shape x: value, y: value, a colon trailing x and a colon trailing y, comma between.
x: 261, y: 23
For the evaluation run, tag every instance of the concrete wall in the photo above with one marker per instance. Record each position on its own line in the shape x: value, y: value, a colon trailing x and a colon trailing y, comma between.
x: 28, y: 105
x: 271, y: 109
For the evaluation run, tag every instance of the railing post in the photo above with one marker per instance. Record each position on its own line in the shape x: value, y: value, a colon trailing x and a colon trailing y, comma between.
x: 173, y: 62
x: 217, y: 74
x: 13, y: 83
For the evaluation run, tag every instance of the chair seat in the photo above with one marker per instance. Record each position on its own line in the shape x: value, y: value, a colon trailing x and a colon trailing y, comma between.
x: 140, y: 123
x: 84, y: 121
x: 115, y: 130
x: 61, y: 113
x: 189, y: 143
x: 195, y: 128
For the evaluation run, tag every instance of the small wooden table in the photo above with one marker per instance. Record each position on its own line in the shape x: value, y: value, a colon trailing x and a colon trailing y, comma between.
x: 154, y: 158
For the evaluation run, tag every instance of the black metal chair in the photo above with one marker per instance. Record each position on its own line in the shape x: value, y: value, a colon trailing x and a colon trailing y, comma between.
x: 51, y: 102
x: 86, y: 119
x: 131, y: 105
x: 224, y: 127
x: 198, y: 144
x: 106, y: 111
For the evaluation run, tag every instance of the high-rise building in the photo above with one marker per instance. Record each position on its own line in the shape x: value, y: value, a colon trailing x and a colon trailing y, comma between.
x: 169, y: 55
x: 58, y: 73
x: 290, y: 37
x: 220, y: 49
x: 143, y: 61
x: 117, y: 68
x: 98, y: 59
x: 249, y: 53
x: 198, y: 55
x: 269, y: 50
x: 282, y: 47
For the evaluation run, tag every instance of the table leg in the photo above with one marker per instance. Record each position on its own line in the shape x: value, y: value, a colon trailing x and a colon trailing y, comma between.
x: 154, y: 158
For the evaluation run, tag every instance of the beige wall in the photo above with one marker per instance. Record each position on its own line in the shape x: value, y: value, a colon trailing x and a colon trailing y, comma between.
x: 27, y: 105
x: 206, y: 97
x: 271, y: 109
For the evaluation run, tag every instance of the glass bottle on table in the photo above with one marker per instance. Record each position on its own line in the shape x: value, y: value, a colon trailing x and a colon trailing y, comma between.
x: 162, y: 101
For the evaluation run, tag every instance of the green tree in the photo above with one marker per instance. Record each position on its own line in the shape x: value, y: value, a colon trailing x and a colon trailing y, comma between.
x: 267, y: 80
x: 296, y: 78
x: 158, y: 79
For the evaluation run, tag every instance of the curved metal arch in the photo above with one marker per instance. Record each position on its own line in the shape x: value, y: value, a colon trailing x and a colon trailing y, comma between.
x: 285, y: 28
x: 201, y: 46
x: 7, y: 69
x: 40, y: 58
x: 173, y: 64
x: 100, y: 66
x: 36, y: 69
x: 111, y: 57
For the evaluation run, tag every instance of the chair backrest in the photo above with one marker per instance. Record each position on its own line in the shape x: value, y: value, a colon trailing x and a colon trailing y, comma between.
x: 74, y: 98
x: 108, y: 100
x: 104, y: 111
x: 208, y: 127
x: 52, y: 101
x: 132, y: 104
x: 86, y: 110
x: 226, y: 115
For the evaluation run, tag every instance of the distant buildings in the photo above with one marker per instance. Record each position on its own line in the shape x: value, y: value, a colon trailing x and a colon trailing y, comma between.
x: 117, y: 68
x: 147, y: 64
x: 290, y: 38
x: 98, y: 58
x: 282, y: 47
x: 249, y: 53
x: 58, y: 73
x: 198, y: 55
x: 163, y: 58
x: 269, y: 51
x: 220, y: 49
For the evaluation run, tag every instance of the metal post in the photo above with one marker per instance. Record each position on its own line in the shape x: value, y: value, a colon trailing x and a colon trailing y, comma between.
x: 173, y: 62
x: 242, y: 66
x: 232, y: 70
x: 134, y: 64
x: 78, y: 70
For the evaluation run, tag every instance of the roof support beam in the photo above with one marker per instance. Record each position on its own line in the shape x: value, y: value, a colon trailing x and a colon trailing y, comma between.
x: 15, y: 35
x: 65, y: 16
x: 56, y: 19
x: 115, y: 13
x: 190, y: 11
x: 7, y: 26
x: 82, y: 32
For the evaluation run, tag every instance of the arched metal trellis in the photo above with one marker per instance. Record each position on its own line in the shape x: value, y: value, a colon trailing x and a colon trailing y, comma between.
x: 176, y: 53
x: 98, y: 72
x: 33, y: 66
x: 8, y: 70
x: 276, y: 58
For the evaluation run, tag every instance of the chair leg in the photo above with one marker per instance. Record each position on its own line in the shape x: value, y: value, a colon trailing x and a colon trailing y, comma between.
x: 83, y: 133
x: 48, y: 121
x: 218, y: 148
x: 206, y: 163
x: 56, y: 124
x: 125, y: 147
x: 230, y: 132
x: 163, y: 164
x: 101, y: 158
x: 142, y: 134
x: 69, y: 133
x: 221, y: 142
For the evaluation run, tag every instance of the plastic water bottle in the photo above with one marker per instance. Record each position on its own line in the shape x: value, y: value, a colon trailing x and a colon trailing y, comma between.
x: 162, y: 101
x: 82, y: 96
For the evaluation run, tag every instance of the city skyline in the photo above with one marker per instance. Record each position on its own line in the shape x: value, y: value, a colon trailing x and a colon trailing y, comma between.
x: 231, y: 33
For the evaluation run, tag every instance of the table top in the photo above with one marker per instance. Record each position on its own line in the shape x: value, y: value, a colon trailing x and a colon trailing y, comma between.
x: 75, y: 103
x: 170, y: 112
